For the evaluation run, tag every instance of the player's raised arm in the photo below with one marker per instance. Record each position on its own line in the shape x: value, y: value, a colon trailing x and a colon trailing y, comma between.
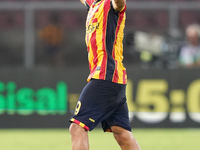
x: 118, y: 4
x: 82, y: 1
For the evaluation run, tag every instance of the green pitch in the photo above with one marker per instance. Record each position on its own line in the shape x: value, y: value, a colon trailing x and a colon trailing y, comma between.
x: 59, y: 139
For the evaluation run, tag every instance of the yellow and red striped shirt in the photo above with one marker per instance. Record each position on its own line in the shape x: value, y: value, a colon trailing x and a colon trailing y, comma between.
x: 104, y: 40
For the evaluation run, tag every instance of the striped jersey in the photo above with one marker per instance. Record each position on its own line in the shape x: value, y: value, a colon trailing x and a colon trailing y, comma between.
x: 104, y: 40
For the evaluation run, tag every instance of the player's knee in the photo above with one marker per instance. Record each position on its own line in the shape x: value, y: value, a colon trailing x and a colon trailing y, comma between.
x: 125, y: 139
x: 75, y: 129
x: 121, y: 135
x: 121, y: 138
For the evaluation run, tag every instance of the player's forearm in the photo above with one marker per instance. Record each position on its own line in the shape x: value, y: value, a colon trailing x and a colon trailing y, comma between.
x: 119, y: 4
x: 82, y: 1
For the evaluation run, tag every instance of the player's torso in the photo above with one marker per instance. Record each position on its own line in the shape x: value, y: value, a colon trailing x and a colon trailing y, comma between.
x: 104, y: 35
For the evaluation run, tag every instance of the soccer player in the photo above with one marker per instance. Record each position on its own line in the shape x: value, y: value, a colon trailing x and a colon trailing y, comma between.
x: 103, y: 99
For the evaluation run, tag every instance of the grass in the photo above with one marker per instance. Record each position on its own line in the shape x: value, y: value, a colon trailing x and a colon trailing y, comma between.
x: 59, y: 139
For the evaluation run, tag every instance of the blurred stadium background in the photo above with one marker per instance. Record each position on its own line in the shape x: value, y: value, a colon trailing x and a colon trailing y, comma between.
x: 43, y: 68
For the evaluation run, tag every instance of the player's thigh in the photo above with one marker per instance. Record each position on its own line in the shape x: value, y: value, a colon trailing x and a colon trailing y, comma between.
x: 118, y: 118
x: 118, y: 130
x: 97, y: 101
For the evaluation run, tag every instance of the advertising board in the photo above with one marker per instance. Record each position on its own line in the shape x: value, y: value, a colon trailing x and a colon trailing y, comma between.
x: 47, y: 98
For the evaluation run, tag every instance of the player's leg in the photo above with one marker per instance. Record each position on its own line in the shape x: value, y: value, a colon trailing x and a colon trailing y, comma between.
x: 125, y: 138
x: 79, y: 137
x: 89, y: 111
x: 119, y: 124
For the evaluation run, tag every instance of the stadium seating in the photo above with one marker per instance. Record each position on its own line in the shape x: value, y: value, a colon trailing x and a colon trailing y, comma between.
x: 138, y: 19
x: 13, y: 19
x: 75, y: 20
x: 188, y: 17
x: 148, y: 19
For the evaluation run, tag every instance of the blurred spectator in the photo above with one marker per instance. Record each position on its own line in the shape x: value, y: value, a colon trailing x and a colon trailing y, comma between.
x: 190, y: 54
x: 52, y: 36
x: 150, y: 47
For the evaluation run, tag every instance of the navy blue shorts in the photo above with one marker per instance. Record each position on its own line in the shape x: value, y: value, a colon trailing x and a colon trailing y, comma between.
x: 102, y: 102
